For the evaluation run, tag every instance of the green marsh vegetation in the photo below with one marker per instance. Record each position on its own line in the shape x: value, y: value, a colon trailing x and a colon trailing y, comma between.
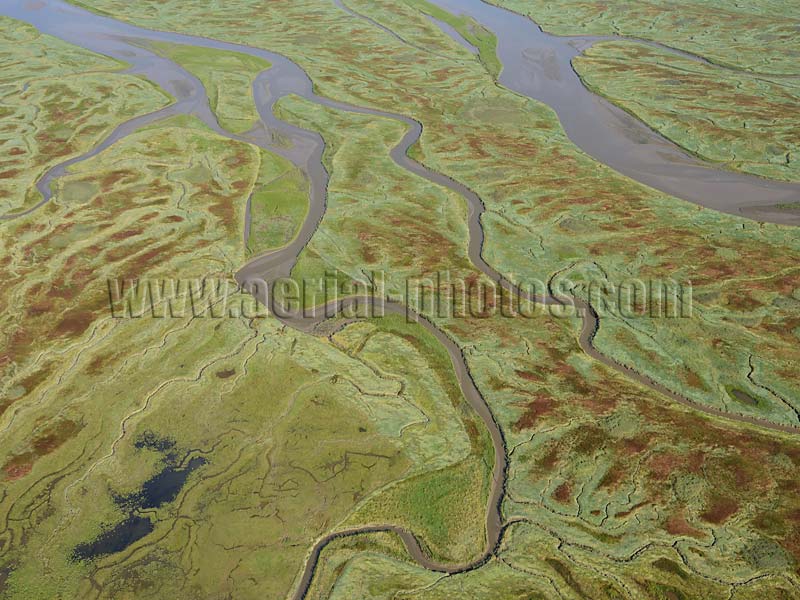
x: 58, y: 101
x: 474, y: 33
x: 742, y: 121
x: 547, y: 395
x: 604, y: 476
x: 279, y: 201
x: 278, y: 204
x: 443, y: 500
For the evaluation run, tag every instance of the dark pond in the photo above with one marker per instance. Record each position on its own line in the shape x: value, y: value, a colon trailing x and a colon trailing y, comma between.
x: 114, y: 540
x: 160, y: 489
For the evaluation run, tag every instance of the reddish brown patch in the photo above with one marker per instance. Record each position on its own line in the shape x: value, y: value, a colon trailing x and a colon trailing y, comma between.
x: 791, y: 486
x: 74, y: 323
x: 113, y: 177
x: 528, y: 376
x: 238, y: 159
x: 539, y: 407
x: 740, y: 302
x: 635, y: 445
x: 53, y: 437
x: 693, y: 380
x: 96, y: 365
x: 632, y: 510
x: 612, y: 477
x: 143, y: 262
x: 174, y: 219
x: 227, y: 374
x: 563, y: 493
x: 19, y: 344
x: 16, y: 151
x: 43, y: 444
x: 17, y: 471
x: 663, y: 465
x: 719, y: 510
x: 40, y: 308
x: 123, y: 235
x: 589, y: 439
x: 31, y: 382
x: 695, y: 461
x: 367, y: 252
x: 678, y: 525
x: 550, y: 459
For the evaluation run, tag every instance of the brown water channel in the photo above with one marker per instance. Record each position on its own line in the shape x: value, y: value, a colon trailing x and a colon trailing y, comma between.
x: 539, y: 65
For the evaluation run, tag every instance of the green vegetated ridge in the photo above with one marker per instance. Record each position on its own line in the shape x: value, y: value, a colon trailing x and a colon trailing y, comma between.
x: 278, y: 204
x: 612, y: 491
x: 758, y: 36
x: 441, y: 502
x: 228, y: 78
x: 483, y: 39
x: 745, y: 122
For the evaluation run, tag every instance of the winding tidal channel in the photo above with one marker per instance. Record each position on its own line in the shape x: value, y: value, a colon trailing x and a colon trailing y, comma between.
x: 535, y: 64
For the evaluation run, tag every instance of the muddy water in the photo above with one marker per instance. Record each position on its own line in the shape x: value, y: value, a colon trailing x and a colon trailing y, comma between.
x: 451, y: 31
x: 538, y: 65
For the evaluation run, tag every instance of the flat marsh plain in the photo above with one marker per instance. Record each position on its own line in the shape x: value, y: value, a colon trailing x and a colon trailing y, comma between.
x: 200, y: 457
